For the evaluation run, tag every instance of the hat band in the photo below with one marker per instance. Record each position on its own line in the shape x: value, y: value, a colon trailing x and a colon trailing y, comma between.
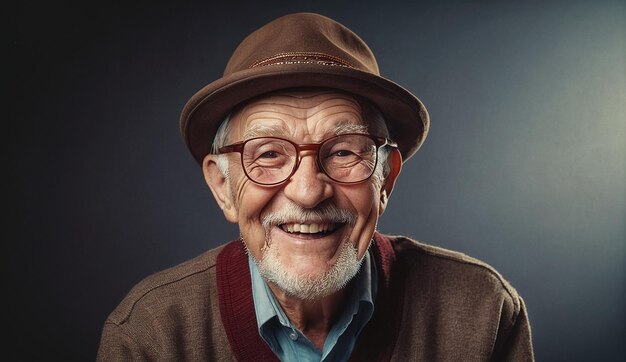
x: 302, y: 58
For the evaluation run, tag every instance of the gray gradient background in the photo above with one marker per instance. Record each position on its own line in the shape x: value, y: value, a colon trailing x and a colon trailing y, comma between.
x: 524, y: 167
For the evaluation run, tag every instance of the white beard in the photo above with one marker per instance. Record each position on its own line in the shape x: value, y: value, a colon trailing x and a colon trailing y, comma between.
x: 307, y: 286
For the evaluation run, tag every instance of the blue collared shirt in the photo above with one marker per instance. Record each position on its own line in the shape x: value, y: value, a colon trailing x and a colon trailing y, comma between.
x: 290, y: 344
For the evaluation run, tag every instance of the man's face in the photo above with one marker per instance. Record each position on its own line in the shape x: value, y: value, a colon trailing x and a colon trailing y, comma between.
x: 269, y: 217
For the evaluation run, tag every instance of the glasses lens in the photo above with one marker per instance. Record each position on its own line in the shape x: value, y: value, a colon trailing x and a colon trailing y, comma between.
x: 268, y: 160
x: 348, y: 158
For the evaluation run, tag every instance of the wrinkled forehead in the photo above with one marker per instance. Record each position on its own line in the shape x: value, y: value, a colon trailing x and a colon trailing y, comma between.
x: 304, y: 112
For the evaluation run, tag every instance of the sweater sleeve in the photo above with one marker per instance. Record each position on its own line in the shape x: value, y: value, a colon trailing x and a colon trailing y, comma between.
x: 515, y: 343
x: 115, y: 345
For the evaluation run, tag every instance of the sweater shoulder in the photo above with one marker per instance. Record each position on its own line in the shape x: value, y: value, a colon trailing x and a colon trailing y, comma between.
x: 452, y: 267
x: 163, y: 288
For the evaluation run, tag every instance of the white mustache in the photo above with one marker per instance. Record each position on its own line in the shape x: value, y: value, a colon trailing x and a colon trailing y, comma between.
x: 292, y: 213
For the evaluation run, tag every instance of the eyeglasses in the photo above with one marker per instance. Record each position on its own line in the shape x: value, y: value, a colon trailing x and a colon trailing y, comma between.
x: 346, y: 158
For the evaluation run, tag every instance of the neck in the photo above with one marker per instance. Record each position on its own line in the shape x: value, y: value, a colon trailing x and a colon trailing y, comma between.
x: 314, y: 318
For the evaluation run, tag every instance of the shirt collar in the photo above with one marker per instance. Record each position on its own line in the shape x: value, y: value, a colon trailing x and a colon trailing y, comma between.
x: 266, y: 307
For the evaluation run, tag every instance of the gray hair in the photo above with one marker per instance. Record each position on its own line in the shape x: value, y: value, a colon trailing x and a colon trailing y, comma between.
x: 221, y: 137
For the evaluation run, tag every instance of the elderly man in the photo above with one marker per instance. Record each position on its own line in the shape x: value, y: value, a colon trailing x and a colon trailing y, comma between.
x: 300, y: 143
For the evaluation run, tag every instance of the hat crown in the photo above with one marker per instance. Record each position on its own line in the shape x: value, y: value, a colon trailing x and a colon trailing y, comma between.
x: 303, y: 38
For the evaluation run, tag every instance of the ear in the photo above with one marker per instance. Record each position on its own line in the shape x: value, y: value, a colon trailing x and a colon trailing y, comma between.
x: 394, y: 160
x: 220, y: 187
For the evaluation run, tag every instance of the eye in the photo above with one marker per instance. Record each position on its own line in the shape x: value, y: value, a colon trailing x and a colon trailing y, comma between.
x: 269, y: 154
x: 269, y: 150
x: 343, y: 153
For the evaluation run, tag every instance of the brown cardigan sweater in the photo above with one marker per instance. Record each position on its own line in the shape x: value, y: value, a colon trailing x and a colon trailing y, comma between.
x: 432, y: 305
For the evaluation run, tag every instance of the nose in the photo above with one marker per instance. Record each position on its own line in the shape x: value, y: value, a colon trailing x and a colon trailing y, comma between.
x: 308, y: 186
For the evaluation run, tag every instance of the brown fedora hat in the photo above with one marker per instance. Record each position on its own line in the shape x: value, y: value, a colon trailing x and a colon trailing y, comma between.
x: 302, y: 50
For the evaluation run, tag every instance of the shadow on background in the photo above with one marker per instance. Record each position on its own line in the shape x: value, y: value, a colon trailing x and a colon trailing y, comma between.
x: 524, y: 167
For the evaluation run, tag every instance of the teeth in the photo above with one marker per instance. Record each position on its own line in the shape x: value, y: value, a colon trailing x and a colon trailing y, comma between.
x: 308, y: 228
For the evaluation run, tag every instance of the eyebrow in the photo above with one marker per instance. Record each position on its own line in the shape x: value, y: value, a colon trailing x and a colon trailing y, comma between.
x: 263, y: 130
x: 348, y: 127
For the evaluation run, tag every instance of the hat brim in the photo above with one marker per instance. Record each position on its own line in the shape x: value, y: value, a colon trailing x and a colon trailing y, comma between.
x: 406, y: 117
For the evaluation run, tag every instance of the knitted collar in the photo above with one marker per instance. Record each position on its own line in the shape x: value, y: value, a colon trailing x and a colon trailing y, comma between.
x: 376, y: 341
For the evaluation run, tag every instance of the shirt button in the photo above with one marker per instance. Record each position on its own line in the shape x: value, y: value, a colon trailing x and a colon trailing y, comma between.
x: 293, y: 336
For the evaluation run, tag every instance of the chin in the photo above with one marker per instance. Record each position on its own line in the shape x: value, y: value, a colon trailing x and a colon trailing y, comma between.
x: 311, y: 286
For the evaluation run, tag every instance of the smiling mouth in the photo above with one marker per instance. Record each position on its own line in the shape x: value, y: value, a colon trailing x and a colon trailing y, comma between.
x: 313, y: 228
